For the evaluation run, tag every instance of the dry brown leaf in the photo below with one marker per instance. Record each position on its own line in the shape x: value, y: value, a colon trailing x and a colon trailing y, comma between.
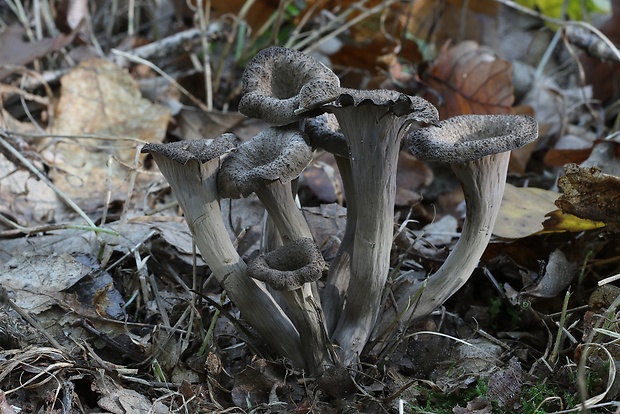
x: 99, y: 98
x: 505, y: 385
x: 455, y: 20
x: 410, y: 176
x: 590, y: 194
x: 470, y: 79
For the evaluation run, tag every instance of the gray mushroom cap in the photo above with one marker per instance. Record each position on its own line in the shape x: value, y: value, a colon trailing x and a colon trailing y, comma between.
x: 202, y: 150
x: 466, y: 138
x: 289, y: 266
x: 272, y: 82
x: 277, y: 153
x: 324, y: 132
x: 397, y: 103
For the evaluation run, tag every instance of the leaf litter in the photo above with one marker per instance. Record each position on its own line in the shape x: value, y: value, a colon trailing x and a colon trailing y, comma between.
x: 134, y: 318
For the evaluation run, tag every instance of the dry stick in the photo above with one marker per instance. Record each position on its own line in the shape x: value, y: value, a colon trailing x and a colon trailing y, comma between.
x: 341, y: 29
x: 203, y: 18
x: 40, y: 176
x: 164, y: 75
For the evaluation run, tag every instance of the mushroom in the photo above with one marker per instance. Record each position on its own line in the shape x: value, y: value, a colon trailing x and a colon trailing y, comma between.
x: 373, y: 123
x: 324, y: 132
x: 265, y: 165
x: 289, y: 269
x: 191, y: 169
x: 478, y: 150
x: 273, y: 80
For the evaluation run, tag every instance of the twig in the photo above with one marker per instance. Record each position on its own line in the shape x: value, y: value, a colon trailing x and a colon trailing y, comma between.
x: 164, y: 75
x: 35, y: 324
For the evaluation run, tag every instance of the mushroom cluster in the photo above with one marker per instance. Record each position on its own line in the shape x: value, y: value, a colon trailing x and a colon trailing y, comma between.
x: 277, y: 292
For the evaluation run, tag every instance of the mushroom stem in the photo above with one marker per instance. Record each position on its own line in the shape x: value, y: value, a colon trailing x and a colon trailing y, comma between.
x: 374, y: 137
x: 339, y: 273
x: 478, y: 149
x: 278, y: 200
x: 195, y: 187
x: 483, y: 183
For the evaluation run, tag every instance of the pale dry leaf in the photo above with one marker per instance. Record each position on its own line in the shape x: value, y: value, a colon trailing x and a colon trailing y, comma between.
x: 24, y: 199
x: 99, y: 98
x: 125, y: 401
x: 523, y: 211
x: 558, y: 275
x: 34, y: 281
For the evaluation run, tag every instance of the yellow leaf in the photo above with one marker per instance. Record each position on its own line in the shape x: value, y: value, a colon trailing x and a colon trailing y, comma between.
x: 523, y: 211
x: 558, y: 221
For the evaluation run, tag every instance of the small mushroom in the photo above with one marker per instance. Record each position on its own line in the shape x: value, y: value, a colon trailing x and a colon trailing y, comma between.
x: 478, y: 150
x: 272, y: 82
x: 290, y: 269
x: 191, y: 168
x: 290, y: 266
x: 374, y: 124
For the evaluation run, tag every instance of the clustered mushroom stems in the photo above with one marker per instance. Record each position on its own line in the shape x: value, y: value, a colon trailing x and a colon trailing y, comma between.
x: 284, y: 87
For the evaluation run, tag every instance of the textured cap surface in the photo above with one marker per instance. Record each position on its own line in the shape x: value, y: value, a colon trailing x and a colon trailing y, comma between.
x: 289, y: 266
x: 277, y: 153
x: 466, y: 138
x: 202, y: 150
x: 273, y: 80
x: 324, y: 132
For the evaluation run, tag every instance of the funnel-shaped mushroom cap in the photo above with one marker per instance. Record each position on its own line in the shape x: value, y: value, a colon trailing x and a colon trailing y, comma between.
x: 289, y: 266
x: 202, y: 150
x: 273, y: 80
x: 274, y: 154
x: 324, y: 132
x: 399, y: 104
x: 469, y: 137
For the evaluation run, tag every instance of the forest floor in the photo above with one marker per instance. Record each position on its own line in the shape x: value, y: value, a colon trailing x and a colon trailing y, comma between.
x: 107, y: 307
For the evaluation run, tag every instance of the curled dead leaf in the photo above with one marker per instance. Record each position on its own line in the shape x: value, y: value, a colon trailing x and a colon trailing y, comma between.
x: 590, y: 194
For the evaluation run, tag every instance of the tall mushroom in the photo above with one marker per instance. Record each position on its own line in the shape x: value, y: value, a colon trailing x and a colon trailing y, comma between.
x: 191, y: 169
x: 324, y: 133
x: 265, y: 165
x: 478, y: 150
x: 373, y: 123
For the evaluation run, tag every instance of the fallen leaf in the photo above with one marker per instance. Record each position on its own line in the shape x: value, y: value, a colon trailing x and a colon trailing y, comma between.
x: 559, y: 273
x: 455, y: 20
x: 523, y: 211
x: 23, y: 198
x: 411, y: 174
x: 14, y: 50
x: 34, y: 281
x: 471, y: 79
x: 557, y: 221
x: 590, y: 194
x: 125, y: 401
x: 99, y: 98
x: 505, y: 385
x: 605, y: 75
